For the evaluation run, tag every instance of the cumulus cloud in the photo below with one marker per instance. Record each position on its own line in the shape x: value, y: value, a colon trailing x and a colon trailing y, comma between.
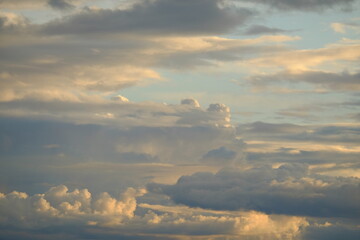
x: 190, y: 101
x: 60, y: 206
x: 290, y: 189
x: 217, y: 114
x: 96, y: 110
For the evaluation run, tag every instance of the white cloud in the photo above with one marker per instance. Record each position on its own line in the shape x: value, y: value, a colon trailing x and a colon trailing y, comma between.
x: 58, y: 206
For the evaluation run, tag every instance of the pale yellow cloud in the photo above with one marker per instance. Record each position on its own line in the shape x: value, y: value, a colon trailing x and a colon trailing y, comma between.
x: 338, y: 27
x: 344, y: 27
x: 109, y: 79
x: 211, y: 43
x: 248, y: 225
x: 297, y: 61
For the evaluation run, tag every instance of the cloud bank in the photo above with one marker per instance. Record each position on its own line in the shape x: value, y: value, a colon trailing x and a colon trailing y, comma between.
x: 290, y: 189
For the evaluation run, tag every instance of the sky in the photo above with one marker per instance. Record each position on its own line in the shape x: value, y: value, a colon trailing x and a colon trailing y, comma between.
x: 180, y: 119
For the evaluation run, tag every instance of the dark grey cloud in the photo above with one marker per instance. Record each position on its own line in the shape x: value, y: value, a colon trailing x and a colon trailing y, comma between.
x: 293, y: 132
x: 290, y: 189
x: 303, y: 5
x: 79, y: 150
x: 219, y: 154
x: 155, y: 17
x: 337, y: 160
x: 60, y: 4
x: 263, y: 128
x: 260, y: 29
x: 333, y: 231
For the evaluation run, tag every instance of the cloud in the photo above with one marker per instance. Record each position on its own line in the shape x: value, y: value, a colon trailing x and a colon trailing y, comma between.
x: 333, y: 57
x: 316, y: 145
x: 195, y: 52
x: 260, y: 29
x: 39, y: 4
x: 332, y: 231
x: 60, y: 4
x: 58, y: 209
x: 344, y: 81
x: 59, y: 206
x: 38, y: 65
x: 12, y: 23
x: 122, y: 132
x: 290, y: 189
x: 190, y: 101
x: 304, y: 5
x: 97, y: 110
x: 155, y: 17
x: 120, y: 98
x: 330, y: 133
x: 223, y: 156
x: 22, y: 4
x: 344, y: 27
x: 217, y: 114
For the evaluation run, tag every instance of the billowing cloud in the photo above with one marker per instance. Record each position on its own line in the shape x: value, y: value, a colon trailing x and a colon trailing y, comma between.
x: 59, y: 206
x: 80, y: 114
x: 290, y: 189
x: 190, y: 101
x: 59, y: 209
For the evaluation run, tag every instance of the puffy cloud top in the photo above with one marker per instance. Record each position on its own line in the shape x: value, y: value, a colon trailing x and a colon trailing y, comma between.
x: 191, y: 102
x: 58, y: 205
x: 218, y: 107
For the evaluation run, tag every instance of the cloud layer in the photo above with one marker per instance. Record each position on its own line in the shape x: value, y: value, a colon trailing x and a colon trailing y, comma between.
x: 289, y: 189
